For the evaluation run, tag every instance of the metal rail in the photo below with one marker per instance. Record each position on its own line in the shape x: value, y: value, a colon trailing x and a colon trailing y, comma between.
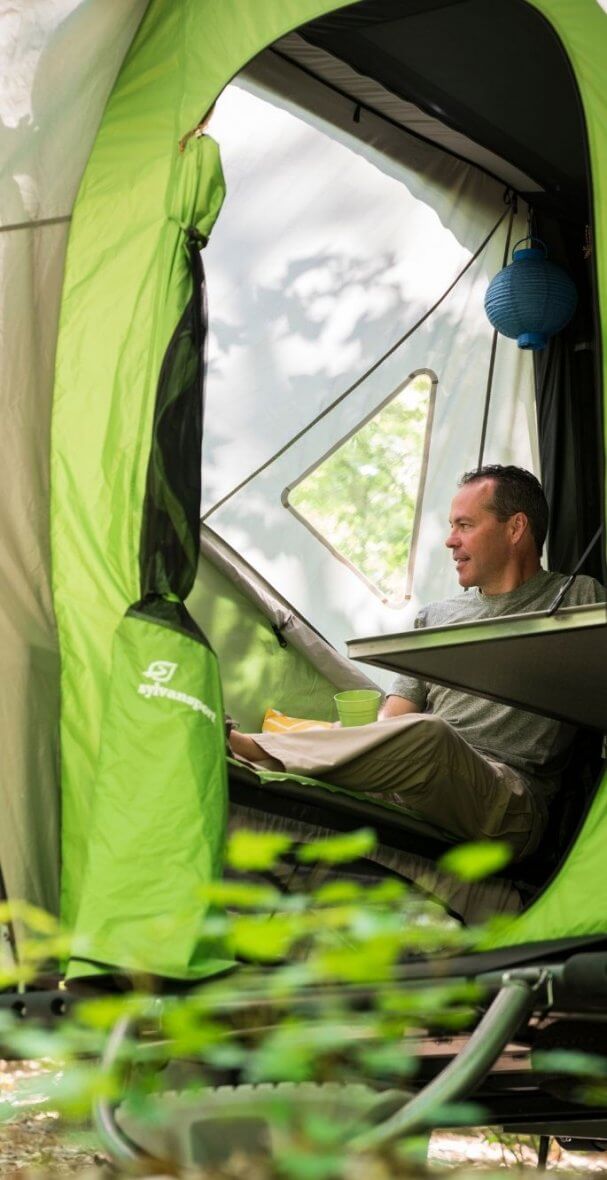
x: 513, y: 1003
x: 511, y: 1006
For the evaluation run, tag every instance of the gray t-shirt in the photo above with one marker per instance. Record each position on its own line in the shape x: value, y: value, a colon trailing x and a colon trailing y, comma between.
x: 533, y: 745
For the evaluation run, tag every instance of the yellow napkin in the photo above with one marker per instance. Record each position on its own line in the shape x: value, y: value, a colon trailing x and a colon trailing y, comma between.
x: 275, y: 722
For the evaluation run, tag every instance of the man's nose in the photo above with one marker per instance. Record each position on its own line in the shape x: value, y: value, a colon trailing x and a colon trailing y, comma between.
x: 452, y: 541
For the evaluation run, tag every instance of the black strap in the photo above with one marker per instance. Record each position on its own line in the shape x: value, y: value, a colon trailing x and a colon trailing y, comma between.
x: 510, y: 199
x: 195, y: 243
x: 554, y: 605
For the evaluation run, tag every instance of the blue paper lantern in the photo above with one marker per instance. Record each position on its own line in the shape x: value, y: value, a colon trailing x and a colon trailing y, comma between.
x: 532, y: 298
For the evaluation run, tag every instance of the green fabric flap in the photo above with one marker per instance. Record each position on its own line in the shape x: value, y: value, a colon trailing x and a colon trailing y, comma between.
x: 96, y: 533
x: 198, y: 188
x: 159, y: 814
x: 571, y: 904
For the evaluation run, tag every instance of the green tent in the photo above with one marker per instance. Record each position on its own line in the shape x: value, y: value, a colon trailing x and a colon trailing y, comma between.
x: 381, y: 158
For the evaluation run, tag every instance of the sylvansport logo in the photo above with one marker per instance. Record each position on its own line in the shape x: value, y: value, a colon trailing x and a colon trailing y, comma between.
x: 160, y: 672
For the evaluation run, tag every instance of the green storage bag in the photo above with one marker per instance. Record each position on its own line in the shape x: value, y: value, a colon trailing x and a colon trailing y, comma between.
x: 159, y: 810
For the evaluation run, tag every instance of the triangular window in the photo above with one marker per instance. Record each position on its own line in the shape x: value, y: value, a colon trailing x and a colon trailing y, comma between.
x: 363, y: 498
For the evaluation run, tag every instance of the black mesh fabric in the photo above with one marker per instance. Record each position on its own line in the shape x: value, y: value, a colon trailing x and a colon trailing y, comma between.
x: 168, y: 613
x: 171, y: 517
x: 569, y: 414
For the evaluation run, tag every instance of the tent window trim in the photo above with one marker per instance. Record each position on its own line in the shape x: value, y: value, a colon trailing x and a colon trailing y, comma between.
x: 393, y: 604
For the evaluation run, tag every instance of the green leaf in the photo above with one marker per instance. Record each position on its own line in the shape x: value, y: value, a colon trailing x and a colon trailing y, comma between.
x: 372, y: 960
x: 473, y: 862
x: 256, y: 851
x: 339, y: 849
x: 272, y: 1063
x: 240, y: 895
x: 591, y: 1094
x: 12, y: 977
x: 322, y: 1128
x: 38, y: 949
x: 34, y: 1043
x: 226, y: 1056
x: 457, y: 1114
x: 74, y: 1091
x: 31, y: 916
x: 570, y: 1061
x: 413, y: 1151
x: 188, y: 1031
x: 389, y: 1059
x: 267, y: 939
x: 387, y: 892
x: 103, y: 1012
x: 295, y: 1165
x: 338, y: 892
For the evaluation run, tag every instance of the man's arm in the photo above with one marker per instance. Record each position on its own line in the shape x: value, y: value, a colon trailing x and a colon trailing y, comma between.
x: 406, y: 694
x: 395, y: 706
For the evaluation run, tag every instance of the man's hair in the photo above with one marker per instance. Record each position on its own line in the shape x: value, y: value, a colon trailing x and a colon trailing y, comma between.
x: 515, y: 490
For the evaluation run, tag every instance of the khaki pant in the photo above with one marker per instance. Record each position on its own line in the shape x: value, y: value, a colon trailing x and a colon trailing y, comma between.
x: 421, y: 763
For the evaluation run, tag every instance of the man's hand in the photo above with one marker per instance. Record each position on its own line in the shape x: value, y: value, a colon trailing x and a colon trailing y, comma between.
x: 396, y: 707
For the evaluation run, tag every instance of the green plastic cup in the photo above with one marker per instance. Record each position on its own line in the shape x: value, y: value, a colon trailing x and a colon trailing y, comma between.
x: 358, y: 706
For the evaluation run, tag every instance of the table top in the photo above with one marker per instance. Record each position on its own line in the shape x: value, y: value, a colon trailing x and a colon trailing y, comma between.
x: 554, y: 665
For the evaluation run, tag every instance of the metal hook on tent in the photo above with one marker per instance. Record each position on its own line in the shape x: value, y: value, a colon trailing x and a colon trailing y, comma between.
x: 277, y: 629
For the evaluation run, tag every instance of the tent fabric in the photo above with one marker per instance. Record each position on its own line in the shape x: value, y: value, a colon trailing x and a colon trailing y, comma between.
x: 58, y: 63
x: 571, y: 447
x: 120, y: 307
x: 260, y: 665
x: 290, y: 627
x: 193, y: 200
x: 582, y: 32
x: 457, y: 59
x: 372, y: 95
x: 568, y: 405
x: 340, y: 272
x: 160, y: 804
x: 568, y: 905
x: 160, y: 793
x: 125, y: 288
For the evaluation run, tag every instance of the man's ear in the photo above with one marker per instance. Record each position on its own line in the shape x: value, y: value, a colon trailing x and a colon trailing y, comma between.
x: 519, y: 527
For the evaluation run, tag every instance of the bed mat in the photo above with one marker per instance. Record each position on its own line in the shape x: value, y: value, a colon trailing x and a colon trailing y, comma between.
x: 408, y: 846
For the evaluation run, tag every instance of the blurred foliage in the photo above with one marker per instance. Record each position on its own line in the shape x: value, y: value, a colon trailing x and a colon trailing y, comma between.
x: 473, y: 862
x: 318, y: 997
x: 362, y: 497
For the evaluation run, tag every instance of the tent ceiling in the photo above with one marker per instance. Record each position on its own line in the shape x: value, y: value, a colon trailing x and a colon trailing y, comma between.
x: 473, y: 70
x: 373, y: 96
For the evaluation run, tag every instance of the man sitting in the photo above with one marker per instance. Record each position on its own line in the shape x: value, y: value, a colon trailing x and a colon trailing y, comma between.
x: 476, y: 768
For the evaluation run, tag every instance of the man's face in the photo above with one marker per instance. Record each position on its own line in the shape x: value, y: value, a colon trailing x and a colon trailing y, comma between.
x: 481, y: 545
